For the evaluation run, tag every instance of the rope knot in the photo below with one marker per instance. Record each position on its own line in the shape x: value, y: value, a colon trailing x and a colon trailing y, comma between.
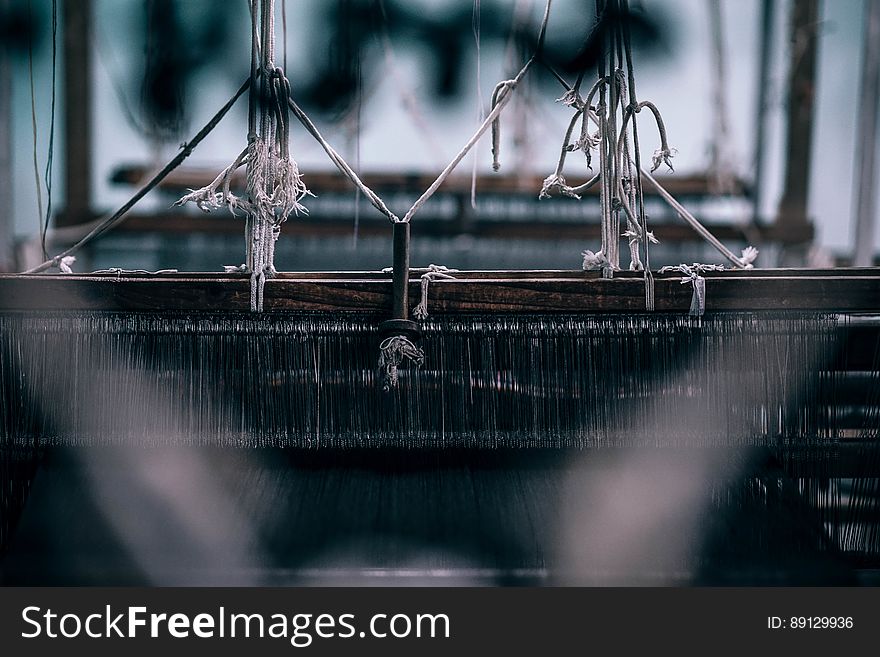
x: 65, y: 264
x: 748, y: 256
x: 593, y: 261
x: 434, y: 273
x: 556, y: 183
x: 663, y: 155
x: 693, y: 275
x: 393, y: 352
x: 571, y: 98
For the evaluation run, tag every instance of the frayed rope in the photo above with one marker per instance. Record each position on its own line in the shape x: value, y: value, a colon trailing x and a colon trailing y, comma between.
x: 393, y: 351
x: 434, y: 273
x: 692, y: 274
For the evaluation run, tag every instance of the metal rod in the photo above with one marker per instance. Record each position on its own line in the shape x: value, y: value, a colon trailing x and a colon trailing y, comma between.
x: 866, y: 138
x: 77, y: 19
x: 400, y: 275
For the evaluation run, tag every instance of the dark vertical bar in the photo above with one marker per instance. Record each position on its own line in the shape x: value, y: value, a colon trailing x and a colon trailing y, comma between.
x: 866, y: 138
x: 400, y: 277
x: 768, y: 8
x: 792, y: 221
x: 77, y: 18
x: 7, y: 208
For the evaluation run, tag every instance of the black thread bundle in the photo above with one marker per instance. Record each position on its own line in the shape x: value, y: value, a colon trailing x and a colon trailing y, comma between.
x: 517, y: 403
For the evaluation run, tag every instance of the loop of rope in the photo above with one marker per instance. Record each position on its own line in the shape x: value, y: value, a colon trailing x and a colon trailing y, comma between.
x: 620, y: 169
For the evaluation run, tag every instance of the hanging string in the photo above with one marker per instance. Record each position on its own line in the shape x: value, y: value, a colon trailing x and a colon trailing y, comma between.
x: 721, y: 166
x: 284, y: 29
x: 476, y: 27
x: 288, y: 190
x: 620, y: 169
x: 37, y: 180
x: 50, y: 155
x: 693, y: 275
x: 358, y: 112
x: 433, y: 273
x: 274, y: 184
x: 637, y: 179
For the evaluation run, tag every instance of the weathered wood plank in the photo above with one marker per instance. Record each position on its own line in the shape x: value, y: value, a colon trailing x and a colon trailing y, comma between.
x: 184, y: 178
x: 477, y: 292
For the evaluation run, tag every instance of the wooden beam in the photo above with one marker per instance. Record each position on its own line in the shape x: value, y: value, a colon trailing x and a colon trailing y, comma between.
x: 793, y: 209
x: 488, y: 292
x: 221, y: 223
x: 326, y: 182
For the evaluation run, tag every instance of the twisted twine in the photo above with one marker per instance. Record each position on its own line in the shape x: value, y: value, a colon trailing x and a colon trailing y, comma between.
x: 693, y: 275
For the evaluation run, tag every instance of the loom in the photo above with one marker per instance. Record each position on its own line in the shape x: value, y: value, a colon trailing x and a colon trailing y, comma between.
x: 526, y: 374
x: 687, y: 424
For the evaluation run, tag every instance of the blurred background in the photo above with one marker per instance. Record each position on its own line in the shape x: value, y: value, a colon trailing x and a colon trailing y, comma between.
x: 760, y: 98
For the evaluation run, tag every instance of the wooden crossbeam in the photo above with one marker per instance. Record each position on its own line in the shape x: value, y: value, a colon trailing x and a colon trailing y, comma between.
x: 331, y: 182
x: 856, y: 290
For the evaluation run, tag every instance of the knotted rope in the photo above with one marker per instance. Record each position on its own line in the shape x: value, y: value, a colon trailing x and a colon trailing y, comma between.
x: 65, y: 264
x: 620, y: 168
x: 392, y: 352
x: 434, y: 273
x: 693, y: 275
x: 274, y: 184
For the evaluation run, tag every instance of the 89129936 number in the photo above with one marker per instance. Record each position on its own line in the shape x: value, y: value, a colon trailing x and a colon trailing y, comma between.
x: 820, y: 622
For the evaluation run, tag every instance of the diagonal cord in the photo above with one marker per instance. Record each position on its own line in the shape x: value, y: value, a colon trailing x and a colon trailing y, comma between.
x: 502, y: 98
x: 106, y: 224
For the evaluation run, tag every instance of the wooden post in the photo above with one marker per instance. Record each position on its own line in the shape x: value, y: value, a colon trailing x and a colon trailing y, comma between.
x: 767, y: 13
x: 7, y: 209
x: 866, y: 138
x: 77, y: 18
x: 792, y: 222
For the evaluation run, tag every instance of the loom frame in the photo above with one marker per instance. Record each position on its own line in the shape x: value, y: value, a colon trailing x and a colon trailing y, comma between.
x: 853, y: 290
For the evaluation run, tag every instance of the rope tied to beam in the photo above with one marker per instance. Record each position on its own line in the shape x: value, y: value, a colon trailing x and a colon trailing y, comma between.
x: 434, y: 273
x: 620, y: 169
x: 693, y: 276
x: 274, y: 184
